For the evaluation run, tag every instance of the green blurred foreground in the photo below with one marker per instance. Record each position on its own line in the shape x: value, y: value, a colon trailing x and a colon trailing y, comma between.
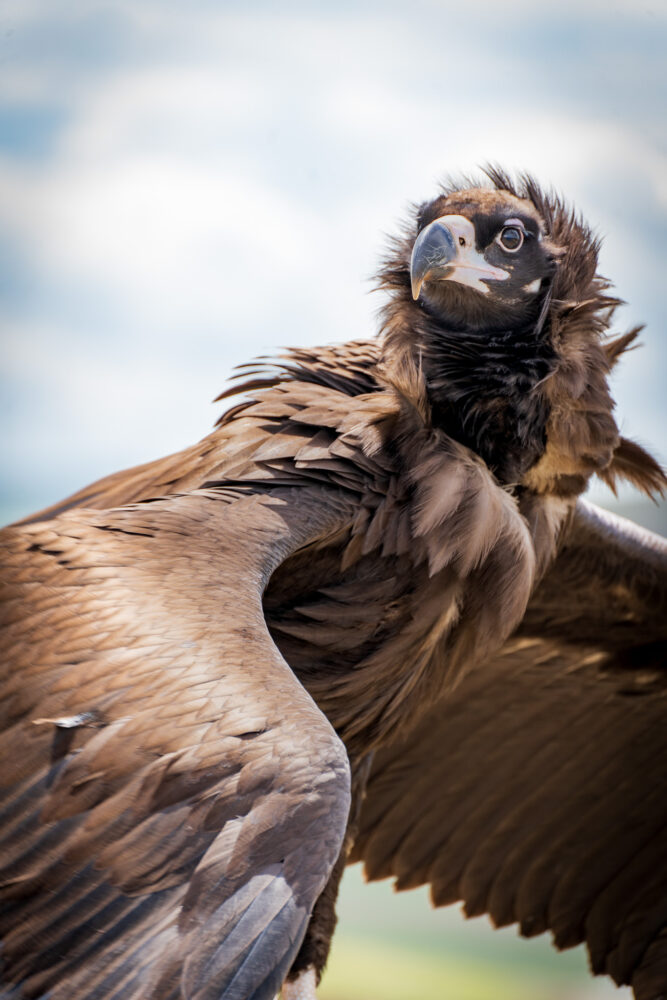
x: 394, y: 946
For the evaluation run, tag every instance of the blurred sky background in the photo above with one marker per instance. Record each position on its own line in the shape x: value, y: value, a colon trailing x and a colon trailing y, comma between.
x: 186, y: 185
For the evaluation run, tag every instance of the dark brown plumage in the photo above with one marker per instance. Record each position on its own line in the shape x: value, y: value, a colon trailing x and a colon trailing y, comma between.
x: 375, y: 572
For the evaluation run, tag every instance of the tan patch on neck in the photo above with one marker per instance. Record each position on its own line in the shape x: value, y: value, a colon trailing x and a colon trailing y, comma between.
x: 581, y: 433
x: 557, y: 472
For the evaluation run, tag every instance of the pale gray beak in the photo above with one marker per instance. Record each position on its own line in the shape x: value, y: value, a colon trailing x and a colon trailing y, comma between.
x: 445, y: 251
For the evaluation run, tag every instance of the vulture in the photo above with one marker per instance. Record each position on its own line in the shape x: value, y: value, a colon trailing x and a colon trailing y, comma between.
x: 367, y: 618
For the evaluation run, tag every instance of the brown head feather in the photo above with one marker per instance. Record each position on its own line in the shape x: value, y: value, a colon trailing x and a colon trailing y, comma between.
x: 615, y: 347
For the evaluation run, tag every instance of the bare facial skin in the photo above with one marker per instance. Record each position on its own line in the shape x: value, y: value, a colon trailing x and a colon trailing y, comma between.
x: 489, y: 242
x: 445, y: 250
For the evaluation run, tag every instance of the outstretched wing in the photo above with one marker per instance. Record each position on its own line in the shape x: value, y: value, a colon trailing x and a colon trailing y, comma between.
x: 173, y: 799
x: 537, y: 792
x: 295, y: 402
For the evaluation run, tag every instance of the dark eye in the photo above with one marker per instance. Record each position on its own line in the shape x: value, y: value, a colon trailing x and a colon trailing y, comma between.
x: 511, y: 238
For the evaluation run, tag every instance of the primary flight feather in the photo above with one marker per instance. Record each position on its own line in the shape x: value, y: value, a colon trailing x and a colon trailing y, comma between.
x: 368, y: 616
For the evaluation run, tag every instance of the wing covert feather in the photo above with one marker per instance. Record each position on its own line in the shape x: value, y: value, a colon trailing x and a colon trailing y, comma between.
x: 537, y: 790
x: 169, y: 783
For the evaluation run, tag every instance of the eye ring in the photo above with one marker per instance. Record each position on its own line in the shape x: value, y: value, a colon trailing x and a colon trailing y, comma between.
x: 511, y: 238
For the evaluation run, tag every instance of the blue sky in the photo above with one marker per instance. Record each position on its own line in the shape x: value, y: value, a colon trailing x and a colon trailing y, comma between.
x: 183, y: 186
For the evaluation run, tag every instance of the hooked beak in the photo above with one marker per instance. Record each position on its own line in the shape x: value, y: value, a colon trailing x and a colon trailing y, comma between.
x: 445, y: 251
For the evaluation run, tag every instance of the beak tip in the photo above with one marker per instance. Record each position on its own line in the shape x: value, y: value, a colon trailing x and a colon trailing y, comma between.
x: 416, y: 287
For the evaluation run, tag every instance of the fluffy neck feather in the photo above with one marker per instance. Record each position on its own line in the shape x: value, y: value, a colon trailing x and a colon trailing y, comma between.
x: 484, y: 389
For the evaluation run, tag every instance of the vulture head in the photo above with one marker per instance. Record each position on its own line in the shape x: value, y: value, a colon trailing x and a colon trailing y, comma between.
x: 490, y: 242
x: 495, y: 299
